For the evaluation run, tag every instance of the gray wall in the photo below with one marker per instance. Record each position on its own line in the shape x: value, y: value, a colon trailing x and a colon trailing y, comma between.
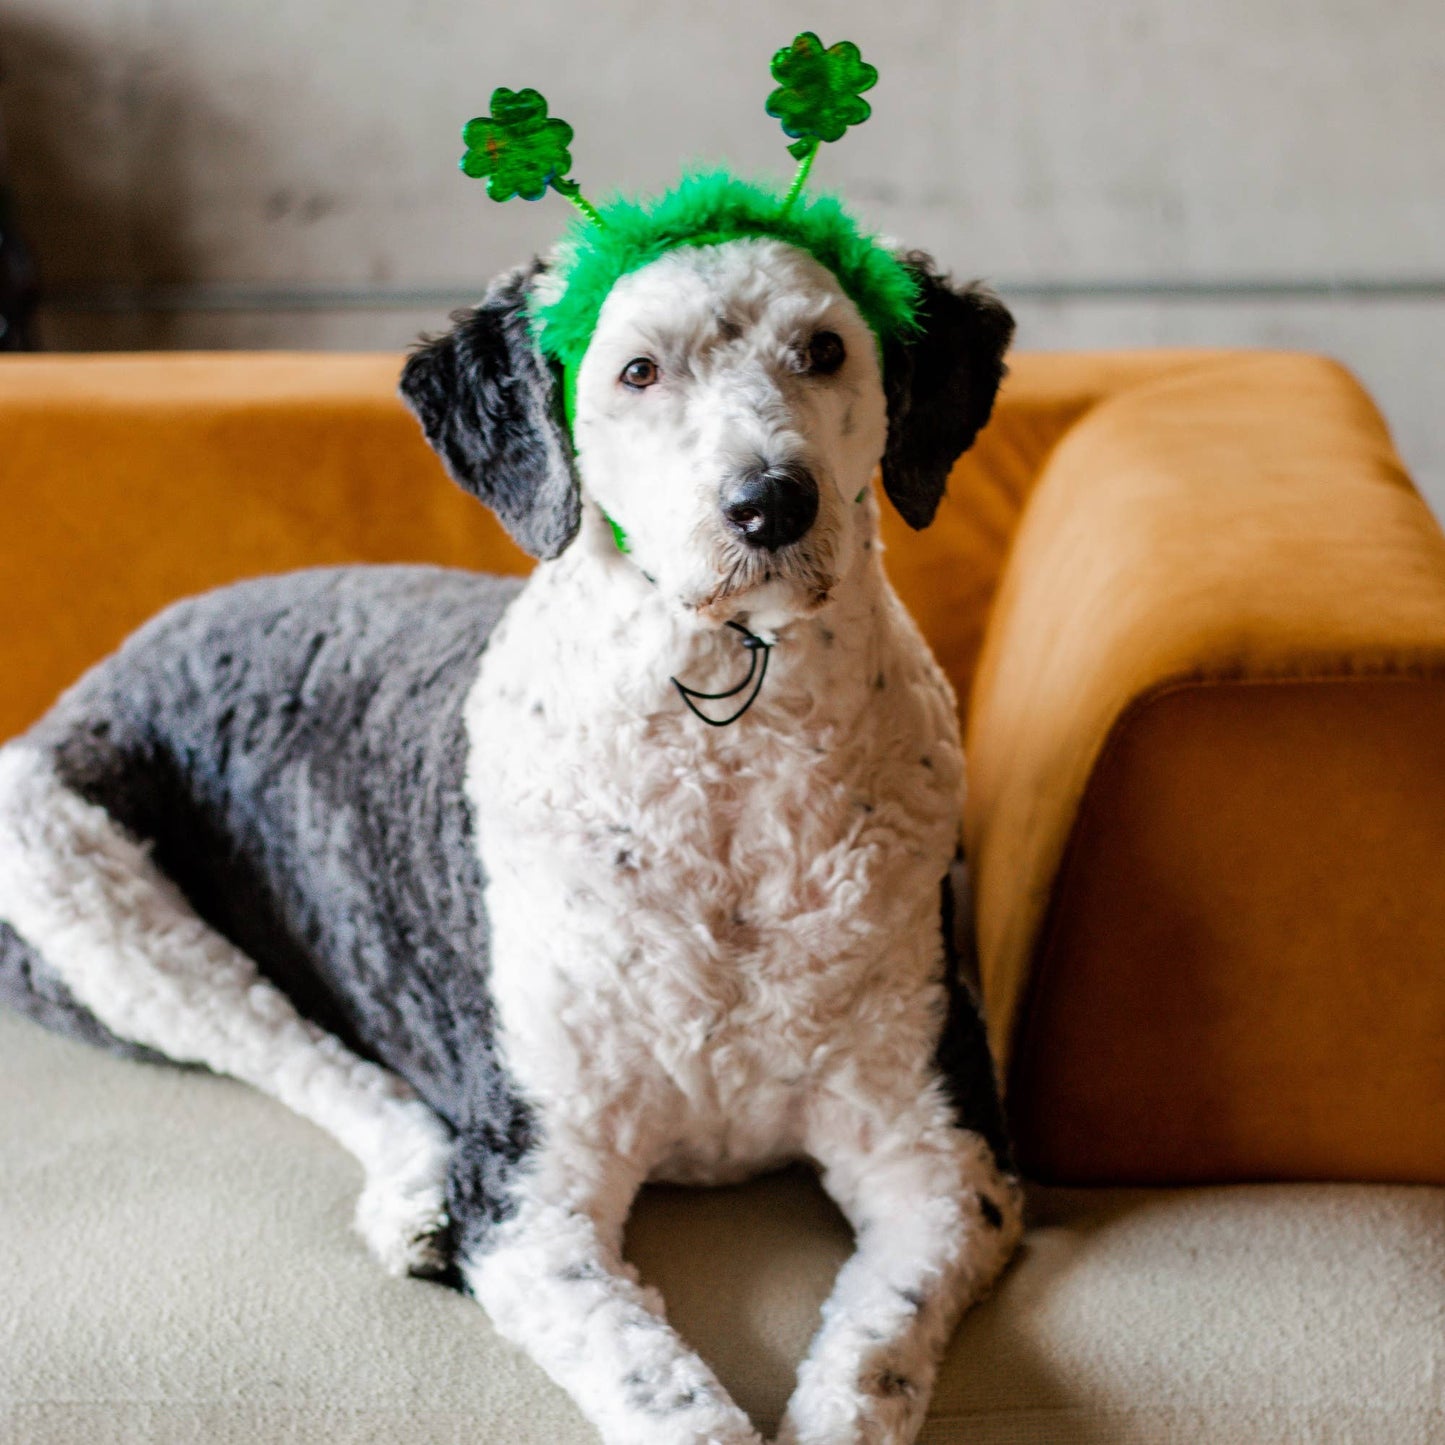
x: 226, y: 173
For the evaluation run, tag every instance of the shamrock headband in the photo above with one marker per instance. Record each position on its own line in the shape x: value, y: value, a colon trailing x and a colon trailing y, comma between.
x: 522, y: 151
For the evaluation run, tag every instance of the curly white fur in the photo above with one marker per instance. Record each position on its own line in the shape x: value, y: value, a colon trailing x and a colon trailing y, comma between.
x: 713, y: 949
x: 742, y: 957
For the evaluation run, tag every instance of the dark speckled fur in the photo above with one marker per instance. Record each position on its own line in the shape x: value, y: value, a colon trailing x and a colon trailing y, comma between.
x: 294, y: 747
x: 940, y: 385
x: 963, y: 1056
x: 491, y: 406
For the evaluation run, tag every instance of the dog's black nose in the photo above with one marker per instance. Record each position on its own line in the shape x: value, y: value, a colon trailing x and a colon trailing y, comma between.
x: 771, y: 507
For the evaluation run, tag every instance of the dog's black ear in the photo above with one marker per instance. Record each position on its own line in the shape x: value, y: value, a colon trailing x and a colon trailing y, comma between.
x: 940, y: 384
x: 491, y: 407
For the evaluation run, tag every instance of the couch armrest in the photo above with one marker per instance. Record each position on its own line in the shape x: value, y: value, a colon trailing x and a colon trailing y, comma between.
x: 1207, y: 791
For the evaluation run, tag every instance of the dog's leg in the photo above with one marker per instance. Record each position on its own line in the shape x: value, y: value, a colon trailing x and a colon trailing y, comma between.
x: 93, y: 906
x: 936, y: 1221
x: 552, y: 1279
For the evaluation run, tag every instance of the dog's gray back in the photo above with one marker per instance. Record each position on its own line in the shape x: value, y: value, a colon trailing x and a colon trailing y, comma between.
x: 293, y: 749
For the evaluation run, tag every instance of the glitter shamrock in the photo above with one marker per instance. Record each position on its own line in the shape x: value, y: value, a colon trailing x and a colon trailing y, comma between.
x: 521, y: 150
x: 819, y: 96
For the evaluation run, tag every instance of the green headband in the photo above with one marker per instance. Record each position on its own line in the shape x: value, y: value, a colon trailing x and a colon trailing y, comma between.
x: 522, y: 151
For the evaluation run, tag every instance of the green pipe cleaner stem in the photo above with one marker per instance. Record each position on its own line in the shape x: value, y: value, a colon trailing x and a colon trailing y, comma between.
x: 573, y: 192
x: 800, y: 176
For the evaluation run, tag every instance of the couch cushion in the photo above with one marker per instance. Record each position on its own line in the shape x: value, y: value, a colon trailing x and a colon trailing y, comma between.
x: 178, y: 1267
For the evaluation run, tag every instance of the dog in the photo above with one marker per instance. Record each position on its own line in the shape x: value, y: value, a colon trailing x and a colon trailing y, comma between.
x: 518, y: 893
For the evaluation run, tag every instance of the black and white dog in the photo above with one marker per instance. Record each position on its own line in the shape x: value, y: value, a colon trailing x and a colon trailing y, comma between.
x: 447, y: 866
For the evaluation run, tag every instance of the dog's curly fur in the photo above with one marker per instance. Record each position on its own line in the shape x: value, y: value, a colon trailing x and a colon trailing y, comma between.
x: 448, y: 868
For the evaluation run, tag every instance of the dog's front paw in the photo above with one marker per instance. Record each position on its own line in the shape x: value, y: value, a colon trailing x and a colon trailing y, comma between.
x: 892, y: 1419
x: 882, y: 1403
x: 402, y: 1212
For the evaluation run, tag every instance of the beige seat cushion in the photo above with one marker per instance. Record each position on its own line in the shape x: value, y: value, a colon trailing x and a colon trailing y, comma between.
x: 176, y: 1265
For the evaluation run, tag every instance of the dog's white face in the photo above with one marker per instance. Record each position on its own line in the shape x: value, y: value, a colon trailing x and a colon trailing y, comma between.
x: 729, y: 413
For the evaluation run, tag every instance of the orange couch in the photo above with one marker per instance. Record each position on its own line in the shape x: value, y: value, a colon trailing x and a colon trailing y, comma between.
x: 1195, y: 614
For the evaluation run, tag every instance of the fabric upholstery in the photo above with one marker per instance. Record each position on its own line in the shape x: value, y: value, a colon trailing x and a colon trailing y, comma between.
x: 179, y: 1267
x: 948, y: 574
x: 1256, y: 986
x: 1248, y: 930
x: 130, y: 481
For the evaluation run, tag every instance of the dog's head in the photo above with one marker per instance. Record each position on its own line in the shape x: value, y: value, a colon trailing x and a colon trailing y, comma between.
x: 729, y: 412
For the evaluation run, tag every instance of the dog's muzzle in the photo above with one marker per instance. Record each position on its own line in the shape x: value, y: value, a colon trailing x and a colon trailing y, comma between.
x: 771, y: 507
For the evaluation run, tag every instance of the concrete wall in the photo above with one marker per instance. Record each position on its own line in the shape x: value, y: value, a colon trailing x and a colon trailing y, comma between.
x: 283, y: 172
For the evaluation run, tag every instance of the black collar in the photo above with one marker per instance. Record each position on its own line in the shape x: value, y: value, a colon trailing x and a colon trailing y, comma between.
x: 754, y: 645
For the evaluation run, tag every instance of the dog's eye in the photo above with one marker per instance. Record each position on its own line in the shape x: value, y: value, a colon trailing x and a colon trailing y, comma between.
x: 640, y: 372
x: 825, y: 353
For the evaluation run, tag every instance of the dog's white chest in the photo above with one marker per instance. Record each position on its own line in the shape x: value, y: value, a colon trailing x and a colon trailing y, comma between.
x: 691, y: 926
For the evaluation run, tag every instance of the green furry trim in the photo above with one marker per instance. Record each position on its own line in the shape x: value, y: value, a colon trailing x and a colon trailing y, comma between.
x: 704, y: 208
